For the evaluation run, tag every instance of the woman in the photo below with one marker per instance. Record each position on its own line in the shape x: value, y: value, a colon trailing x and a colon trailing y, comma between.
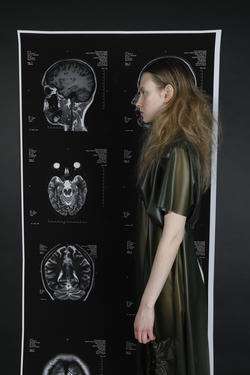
x: 173, y: 172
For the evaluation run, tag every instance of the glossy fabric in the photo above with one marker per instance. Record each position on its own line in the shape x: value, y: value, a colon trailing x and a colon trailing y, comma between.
x: 172, y: 183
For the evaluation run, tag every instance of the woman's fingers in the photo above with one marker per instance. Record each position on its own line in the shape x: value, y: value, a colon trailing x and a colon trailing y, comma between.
x: 151, y: 335
x: 136, y: 336
x: 144, y: 336
x: 143, y: 326
x: 140, y: 336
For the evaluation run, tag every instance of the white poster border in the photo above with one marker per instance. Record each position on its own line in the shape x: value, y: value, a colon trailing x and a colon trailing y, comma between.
x: 213, y: 165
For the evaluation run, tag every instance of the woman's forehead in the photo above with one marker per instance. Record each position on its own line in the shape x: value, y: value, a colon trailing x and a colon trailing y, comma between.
x: 146, y: 80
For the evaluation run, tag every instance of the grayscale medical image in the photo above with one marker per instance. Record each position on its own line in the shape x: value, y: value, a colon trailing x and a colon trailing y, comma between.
x: 67, y: 273
x: 66, y: 195
x: 66, y: 364
x: 69, y: 88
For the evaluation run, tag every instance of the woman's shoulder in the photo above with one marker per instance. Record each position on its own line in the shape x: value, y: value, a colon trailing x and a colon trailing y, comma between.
x: 179, y: 143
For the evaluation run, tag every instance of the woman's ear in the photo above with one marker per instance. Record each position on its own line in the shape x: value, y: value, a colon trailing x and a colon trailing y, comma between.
x: 169, y: 92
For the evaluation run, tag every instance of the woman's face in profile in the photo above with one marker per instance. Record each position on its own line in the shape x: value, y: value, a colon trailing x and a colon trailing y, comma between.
x: 151, y: 97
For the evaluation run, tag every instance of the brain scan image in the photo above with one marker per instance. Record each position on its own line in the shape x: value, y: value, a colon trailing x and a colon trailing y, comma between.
x: 67, y: 273
x: 66, y: 364
x: 69, y: 88
x: 67, y: 192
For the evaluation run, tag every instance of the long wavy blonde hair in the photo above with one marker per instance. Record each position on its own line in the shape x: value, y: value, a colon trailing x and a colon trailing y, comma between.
x: 187, y: 115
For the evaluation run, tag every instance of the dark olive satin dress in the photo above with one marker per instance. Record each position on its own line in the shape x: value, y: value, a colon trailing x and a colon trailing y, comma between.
x: 172, y: 183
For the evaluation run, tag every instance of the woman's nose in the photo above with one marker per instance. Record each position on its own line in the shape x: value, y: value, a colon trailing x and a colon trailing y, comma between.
x: 138, y: 103
x: 135, y: 99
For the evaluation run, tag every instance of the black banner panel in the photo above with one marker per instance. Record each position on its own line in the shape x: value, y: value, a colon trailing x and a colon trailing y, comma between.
x: 80, y: 136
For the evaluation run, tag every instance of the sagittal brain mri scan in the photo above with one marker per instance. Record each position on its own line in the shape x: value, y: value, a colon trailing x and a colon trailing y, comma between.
x: 69, y: 89
x: 67, y: 192
x: 66, y: 364
x: 67, y: 273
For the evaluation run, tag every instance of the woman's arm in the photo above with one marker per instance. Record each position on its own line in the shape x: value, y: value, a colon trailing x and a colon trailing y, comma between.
x: 172, y: 236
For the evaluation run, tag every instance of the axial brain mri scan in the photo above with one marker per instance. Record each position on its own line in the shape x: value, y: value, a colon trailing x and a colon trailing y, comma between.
x: 66, y: 364
x: 67, y: 192
x: 67, y: 273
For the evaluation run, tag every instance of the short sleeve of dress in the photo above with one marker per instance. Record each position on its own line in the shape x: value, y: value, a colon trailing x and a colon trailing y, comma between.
x: 170, y: 184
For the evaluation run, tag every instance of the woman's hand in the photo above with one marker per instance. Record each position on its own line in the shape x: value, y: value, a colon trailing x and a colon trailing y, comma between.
x: 144, y: 323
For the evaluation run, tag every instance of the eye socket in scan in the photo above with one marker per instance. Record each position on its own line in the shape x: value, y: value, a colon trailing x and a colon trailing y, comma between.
x: 77, y: 165
x: 56, y: 165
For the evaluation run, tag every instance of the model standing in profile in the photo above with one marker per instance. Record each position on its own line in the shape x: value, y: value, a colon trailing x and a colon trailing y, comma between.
x: 173, y: 172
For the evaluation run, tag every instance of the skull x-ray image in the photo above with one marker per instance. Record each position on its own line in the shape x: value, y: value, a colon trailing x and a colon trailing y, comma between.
x: 69, y: 88
x: 66, y: 364
x: 67, y: 192
x: 67, y: 273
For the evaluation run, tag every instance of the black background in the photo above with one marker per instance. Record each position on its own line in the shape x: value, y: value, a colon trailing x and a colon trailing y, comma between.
x: 231, y: 290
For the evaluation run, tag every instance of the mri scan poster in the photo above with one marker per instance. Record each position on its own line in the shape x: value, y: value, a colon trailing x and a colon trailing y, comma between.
x: 80, y: 133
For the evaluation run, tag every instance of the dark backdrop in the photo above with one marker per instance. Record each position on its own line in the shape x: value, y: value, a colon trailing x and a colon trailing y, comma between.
x: 232, y: 276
